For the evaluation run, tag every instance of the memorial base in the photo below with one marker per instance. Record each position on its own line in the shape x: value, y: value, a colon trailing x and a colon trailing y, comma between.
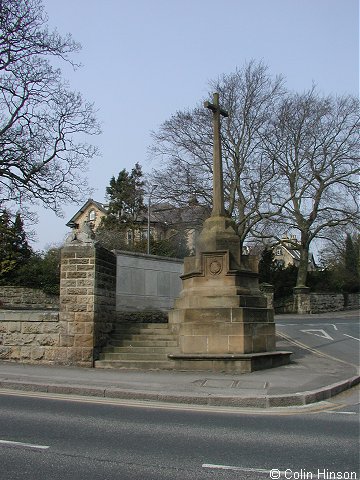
x: 221, y: 318
x: 229, y: 363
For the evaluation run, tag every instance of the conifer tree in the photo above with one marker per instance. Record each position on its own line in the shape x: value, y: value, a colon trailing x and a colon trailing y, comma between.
x: 14, y: 247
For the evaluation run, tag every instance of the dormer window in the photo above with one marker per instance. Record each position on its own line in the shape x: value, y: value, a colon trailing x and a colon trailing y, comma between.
x: 92, y: 215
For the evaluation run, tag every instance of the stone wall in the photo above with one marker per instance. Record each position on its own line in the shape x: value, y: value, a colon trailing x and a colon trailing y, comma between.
x: 29, y: 336
x: 27, y: 298
x: 319, y: 303
x: 147, y: 282
x: 332, y: 302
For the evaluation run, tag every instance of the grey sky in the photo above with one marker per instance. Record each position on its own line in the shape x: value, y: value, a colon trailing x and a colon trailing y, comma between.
x: 145, y: 59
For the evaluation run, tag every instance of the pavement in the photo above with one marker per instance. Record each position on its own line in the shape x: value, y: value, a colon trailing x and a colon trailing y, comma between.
x: 311, y: 377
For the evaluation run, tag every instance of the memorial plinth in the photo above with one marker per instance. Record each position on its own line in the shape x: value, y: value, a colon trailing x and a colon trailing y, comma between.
x: 221, y: 317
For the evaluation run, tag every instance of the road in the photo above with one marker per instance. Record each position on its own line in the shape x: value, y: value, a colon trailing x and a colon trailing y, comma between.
x: 335, y: 335
x: 61, y: 439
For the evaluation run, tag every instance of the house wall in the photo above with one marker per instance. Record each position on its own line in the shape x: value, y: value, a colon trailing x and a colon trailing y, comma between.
x: 147, y: 282
x: 83, y: 216
x: 284, y: 256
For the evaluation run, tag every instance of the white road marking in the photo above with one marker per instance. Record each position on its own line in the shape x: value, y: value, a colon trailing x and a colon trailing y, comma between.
x: 358, y: 339
x: 343, y: 413
x: 322, y: 333
x: 234, y: 469
x: 25, y: 445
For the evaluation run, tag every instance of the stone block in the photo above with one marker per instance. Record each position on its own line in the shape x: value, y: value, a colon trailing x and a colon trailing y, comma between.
x: 37, y: 353
x: 48, y: 339
x: 77, y: 291
x: 76, y: 308
x: 15, y: 353
x: 89, y: 328
x: 259, y: 343
x: 83, y: 341
x: 218, y: 344
x: 5, y: 352
x: 87, y: 355
x: 36, y: 327
x: 51, y: 327
x: 193, y: 344
x: 74, y: 356
x: 67, y: 340
x: 76, y: 275
x: 76, y: 328
x: 60, y: 355
x: 50, y: 354
x: 78, y: 261
x: 239, y: 344
x: 13, y: 327
x: 25, y: 353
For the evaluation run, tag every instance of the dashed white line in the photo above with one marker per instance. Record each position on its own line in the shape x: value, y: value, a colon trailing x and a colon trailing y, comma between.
x: 24, y: 445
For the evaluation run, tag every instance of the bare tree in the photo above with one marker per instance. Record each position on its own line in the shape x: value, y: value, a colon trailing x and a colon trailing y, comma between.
x: 184, y: 146
x: 314, y: 149
x: 42, y: 123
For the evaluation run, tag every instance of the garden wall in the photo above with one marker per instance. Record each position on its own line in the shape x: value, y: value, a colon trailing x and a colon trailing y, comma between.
x: 27, y: 298
x: 29, y: 336
x: 321, y: 303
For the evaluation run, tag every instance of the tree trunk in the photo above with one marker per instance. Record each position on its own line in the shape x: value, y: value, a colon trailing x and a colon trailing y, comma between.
x: 303, y: 267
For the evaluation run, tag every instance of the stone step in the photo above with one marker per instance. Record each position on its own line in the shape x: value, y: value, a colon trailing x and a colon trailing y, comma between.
x: 142, y: 343
x: 142, y: 331
x: 135, y: 365
x: 142, y: 337
x: 148, y: 326
x: 134, y: 356
x: 142, y: 350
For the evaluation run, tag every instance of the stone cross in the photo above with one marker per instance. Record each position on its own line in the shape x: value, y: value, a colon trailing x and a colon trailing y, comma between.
x: 218, y: 189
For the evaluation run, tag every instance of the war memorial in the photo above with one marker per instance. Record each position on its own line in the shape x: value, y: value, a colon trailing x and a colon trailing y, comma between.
x: 217, y: 320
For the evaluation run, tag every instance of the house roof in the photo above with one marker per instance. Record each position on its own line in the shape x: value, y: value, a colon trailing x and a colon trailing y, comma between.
x: 189, y: 215
x: 90, y: 202
x: 162, y: 213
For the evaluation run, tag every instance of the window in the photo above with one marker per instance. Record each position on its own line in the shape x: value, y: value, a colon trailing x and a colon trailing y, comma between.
x: 279, y: 251
x: 129, y: 236
x: 92, y: 215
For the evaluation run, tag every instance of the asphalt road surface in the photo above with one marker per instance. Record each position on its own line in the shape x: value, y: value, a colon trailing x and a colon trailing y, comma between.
x: 336, y: 335
x: 59, y: 439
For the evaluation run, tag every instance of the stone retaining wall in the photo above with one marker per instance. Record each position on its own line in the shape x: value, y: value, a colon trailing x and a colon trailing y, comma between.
x: 320, y: 303
x: 332, y: 302
x: 27, y: 298
x: 29, y: 336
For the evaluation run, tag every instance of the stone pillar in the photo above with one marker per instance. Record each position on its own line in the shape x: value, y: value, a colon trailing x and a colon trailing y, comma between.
x: 302, y: 302
x: 268, y: 291
x: 87, y: 302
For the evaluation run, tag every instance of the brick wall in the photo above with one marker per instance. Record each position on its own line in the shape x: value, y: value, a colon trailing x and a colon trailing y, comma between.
x: 27, y: 298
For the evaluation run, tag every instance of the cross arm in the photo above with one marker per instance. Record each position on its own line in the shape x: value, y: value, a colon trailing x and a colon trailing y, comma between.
x: 215, y: 108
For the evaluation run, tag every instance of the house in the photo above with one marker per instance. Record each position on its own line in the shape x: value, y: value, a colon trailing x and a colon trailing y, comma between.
x: 286, y: 253
x: 165, y: 220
